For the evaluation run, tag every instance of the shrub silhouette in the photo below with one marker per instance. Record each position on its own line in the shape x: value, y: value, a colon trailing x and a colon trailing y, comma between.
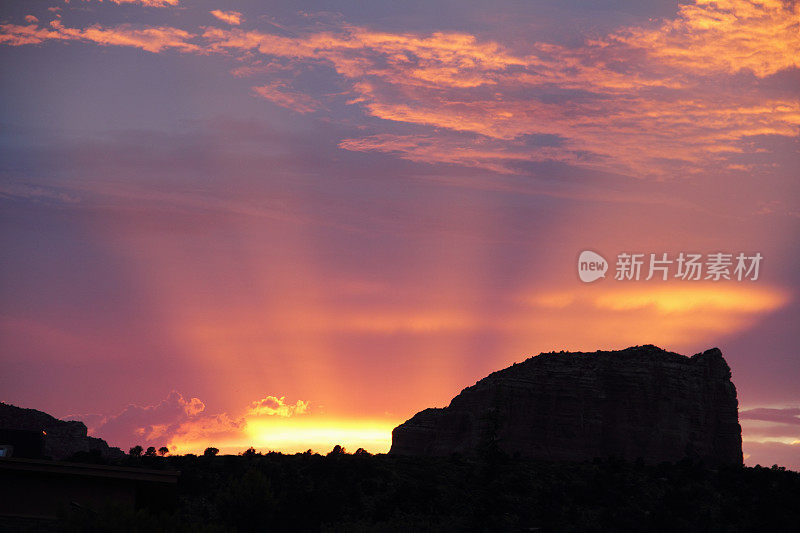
x: 210, y: 451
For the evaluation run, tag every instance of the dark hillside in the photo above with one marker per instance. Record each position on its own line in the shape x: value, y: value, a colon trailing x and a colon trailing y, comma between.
x: 360, y: 492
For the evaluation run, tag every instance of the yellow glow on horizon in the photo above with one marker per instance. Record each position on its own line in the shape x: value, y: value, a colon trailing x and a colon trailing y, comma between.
x: 300, y: 433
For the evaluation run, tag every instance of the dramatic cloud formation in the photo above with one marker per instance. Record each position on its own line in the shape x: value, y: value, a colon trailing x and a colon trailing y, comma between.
x: 178, y: 422
x: 641, y: 101
x: 147, y: 425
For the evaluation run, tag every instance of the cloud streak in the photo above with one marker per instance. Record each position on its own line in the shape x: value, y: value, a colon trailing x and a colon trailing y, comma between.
x: 145, y: 3
x: 280, y: 93
x: 234, y: 18
x: 151, y: 39
x: 651, y: 101
x: 787, y: 415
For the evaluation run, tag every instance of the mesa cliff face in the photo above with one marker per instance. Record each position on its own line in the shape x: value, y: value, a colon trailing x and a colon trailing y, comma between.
x: 62, y: 438
x: 641, y: 402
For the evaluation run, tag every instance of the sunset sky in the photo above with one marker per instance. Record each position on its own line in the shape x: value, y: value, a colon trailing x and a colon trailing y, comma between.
x: 295, y: 224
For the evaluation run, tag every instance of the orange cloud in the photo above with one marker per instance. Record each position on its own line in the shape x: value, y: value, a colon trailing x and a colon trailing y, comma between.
x: 728, y: 36
x: 233, y: 18
x: 146, y: 3
x: 279, y: 93
x: 15, y: 35
x: 151, y: 39
x: 440, y: 59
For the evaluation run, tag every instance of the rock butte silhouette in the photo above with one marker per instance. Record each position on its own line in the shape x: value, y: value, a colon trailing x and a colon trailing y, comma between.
x: 641, y: 402
x: 63, y: 438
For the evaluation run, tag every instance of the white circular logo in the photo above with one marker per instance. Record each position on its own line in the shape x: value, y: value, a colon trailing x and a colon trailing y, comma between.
x: 591, y: 266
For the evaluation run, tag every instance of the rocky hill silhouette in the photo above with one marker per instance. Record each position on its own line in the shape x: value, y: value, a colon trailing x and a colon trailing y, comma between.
x: 62, y: 438
x: 641, y: 402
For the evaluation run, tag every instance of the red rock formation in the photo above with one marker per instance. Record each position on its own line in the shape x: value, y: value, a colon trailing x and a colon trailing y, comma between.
x: 641, y: 402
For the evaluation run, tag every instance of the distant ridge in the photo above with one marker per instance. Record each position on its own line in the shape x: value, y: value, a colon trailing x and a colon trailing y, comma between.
x: 641, y: 402
x: 62, y: 439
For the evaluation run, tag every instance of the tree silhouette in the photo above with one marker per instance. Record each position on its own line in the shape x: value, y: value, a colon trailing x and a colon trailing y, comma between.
x: 210, y: 451
x: 337, y: 450
x: 163, y: 451
x: 151, y: 451
x: 136, y: 451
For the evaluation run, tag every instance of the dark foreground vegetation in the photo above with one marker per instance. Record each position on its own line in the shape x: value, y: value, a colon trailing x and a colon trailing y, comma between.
x: 362, y: 492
